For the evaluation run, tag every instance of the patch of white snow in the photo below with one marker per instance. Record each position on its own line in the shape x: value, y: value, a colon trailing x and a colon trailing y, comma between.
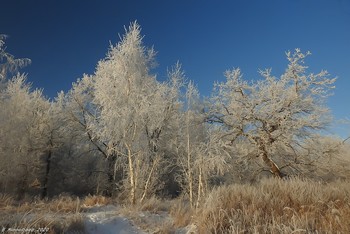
x: 106, y: 220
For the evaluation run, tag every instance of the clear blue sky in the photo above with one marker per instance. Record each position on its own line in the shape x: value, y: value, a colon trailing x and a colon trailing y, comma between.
x: 66, y: 38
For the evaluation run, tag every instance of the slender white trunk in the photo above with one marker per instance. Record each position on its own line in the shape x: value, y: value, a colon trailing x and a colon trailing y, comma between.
x: 145, y: 190
x: 131, y: 176
x: 189, y: 168
x: 200, y: 187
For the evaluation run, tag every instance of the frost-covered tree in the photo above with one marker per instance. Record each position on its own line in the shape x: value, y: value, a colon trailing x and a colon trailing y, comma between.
x: 326, y: 157
x: 273, y: 114
x: 130, y: 111
x: 8, y: 63
x: 125, y: 112
x: 200, y: 158
x: 190, y: 144
x: 77, y: 165
x: 122, y: 94
x: 25, y: 126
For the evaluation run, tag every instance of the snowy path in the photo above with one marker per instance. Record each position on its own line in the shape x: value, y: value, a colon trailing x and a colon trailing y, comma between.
x: 105, y: 220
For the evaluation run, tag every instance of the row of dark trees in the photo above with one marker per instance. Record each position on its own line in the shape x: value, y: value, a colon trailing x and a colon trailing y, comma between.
x: 121, y: 132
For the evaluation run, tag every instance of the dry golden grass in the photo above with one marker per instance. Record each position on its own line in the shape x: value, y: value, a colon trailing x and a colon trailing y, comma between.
x: 151, y: 215
x: 5, y: 200
x: 155, y: 205
x: 277, y: 206
x: 29, y: 223
x: 64, y: 204
x: 181, y: 213
x: 165, y: 228
x: 58, y: 215
x: 95, y: 200
x: 70, y: 224
x: 271, y: 206
x: 60, y: 204
x: 41, y: 223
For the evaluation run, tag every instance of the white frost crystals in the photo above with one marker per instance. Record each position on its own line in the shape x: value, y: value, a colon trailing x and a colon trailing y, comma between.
x: 273, y: 114
x: 126, y: 113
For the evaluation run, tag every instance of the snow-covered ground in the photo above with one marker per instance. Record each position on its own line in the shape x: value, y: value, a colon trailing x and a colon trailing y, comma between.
x: 106, y: 219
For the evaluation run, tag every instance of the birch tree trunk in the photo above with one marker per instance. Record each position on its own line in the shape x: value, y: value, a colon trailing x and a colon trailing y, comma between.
x: 131, y: 176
